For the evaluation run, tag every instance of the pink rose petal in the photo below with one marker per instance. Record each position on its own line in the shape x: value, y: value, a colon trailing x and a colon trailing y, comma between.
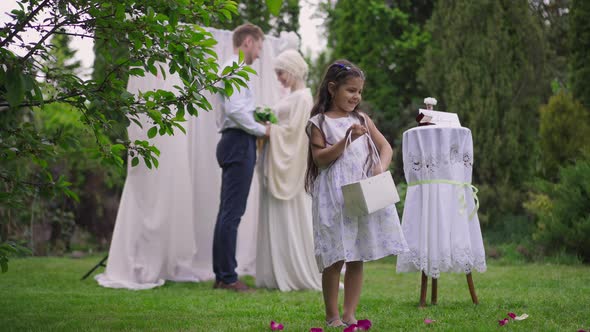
x: 316, y: 329
x: 511, y: 315
x: 351, y: 328
x: 364, y: 324
x: 274, y: 326
x: 503, y: 321
x: 429, y: 321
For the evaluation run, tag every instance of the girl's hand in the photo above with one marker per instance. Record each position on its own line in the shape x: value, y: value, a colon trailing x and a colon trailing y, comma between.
x: 356, y: 131
x: 378, y: 169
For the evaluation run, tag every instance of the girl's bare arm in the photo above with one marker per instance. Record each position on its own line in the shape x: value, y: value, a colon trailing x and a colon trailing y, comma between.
x: 324, y: 155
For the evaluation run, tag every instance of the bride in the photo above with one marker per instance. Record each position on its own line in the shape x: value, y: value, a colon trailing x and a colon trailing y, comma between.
x: 285, y: 253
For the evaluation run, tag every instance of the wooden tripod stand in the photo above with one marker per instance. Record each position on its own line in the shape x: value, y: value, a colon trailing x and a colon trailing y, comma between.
x: 434, y: 291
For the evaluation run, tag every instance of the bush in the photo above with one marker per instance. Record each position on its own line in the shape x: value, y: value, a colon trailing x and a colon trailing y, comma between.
x: 563, y: 212
x: 564, y: 127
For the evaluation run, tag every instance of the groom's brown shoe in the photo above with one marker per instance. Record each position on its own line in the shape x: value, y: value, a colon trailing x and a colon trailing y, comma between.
x: 237, y: 286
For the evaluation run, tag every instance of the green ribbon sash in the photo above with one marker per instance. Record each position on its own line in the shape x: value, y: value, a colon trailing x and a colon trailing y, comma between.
x: 461, y: 196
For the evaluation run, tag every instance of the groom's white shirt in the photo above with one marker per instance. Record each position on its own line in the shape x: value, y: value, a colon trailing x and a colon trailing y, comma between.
x: 237, y: 111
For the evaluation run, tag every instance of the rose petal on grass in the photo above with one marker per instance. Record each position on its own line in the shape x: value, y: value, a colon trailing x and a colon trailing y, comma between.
x: 364, y: 324
x: 429, y: 321
x: 503, y: 321
x: 511, y: 315
x: 316, y: 329
x: 521, y: 317
x: 274, y: 326
x: 351, y: 328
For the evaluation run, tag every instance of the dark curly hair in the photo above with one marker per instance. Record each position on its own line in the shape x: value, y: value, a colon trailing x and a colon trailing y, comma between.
x: 338, y: 73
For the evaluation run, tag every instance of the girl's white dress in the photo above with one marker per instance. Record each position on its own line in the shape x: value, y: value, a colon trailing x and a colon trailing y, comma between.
x: 336, y: 236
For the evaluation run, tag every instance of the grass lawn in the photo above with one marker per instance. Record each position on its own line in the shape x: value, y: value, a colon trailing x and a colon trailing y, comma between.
x: 46, y: 294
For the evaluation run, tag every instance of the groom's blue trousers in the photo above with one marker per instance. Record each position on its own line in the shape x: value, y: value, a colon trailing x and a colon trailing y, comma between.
x: 236, y: 155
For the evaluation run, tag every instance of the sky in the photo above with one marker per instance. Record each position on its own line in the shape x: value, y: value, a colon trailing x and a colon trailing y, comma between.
x: 312, y: 40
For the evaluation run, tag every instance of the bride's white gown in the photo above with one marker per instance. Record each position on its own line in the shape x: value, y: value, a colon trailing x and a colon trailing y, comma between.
x: 285, y: 253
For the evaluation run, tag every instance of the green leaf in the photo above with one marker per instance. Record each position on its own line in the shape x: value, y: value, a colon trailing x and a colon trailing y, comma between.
x: 229, y: 90
x: 155, y: 150
x: 227, y: 70
x: 148, y: 163
x: 250, y: 70
x: 152, y: 132
x: 240, y: 56
x: 15, y: 86
x: 116, y: 148
x: 71, y: 194
x: 226, y: 14
x: 274, y: 6
x: 137, y: 122
x: 135, y: 161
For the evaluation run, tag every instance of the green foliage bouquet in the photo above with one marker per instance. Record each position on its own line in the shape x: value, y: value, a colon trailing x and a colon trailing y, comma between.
x: 265, y: 114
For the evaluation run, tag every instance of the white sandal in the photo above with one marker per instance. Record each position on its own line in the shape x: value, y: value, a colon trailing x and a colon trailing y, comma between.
x: 335, y: 322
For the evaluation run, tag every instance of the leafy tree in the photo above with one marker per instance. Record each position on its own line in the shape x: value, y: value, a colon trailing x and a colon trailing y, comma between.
x: 554, y: 17
x: 387, y: 41
x: 564, y: 127
x: 152, y: 31
x: 271, y: 16
x: 62, y: 55
x: 580, y: 50
x: 486, y: 62
x: 563, y: 211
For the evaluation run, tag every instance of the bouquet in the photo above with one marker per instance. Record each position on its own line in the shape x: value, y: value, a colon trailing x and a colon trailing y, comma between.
x: 264, y: 115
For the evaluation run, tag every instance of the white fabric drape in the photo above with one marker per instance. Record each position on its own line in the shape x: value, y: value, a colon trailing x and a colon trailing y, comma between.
x: 166, y: 217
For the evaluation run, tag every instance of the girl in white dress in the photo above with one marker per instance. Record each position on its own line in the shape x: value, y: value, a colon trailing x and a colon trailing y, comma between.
x: 332, y: 163
x: 285, y: 253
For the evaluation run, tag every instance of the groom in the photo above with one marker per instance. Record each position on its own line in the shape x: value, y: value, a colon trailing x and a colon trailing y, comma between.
x: 236, y: 155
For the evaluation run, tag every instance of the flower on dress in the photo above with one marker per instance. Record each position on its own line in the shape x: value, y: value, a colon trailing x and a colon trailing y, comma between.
x: 274, y: 326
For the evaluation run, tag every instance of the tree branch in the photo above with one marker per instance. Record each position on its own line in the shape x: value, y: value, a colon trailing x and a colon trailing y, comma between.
x: 20, y: 26
x: 41, y: 41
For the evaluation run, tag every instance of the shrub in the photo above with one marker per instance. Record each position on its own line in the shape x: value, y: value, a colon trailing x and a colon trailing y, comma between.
x: 563, y: 212
x: 564, y: 127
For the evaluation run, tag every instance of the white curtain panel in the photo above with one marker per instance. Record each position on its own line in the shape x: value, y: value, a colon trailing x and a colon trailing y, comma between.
x: 166, y: 217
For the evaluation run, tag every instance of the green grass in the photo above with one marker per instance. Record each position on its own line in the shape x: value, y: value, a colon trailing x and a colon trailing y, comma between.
x: 46, y: 294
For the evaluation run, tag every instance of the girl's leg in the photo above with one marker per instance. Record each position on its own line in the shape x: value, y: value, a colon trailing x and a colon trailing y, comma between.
x: 353, y: 283
x: 330, y: 281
